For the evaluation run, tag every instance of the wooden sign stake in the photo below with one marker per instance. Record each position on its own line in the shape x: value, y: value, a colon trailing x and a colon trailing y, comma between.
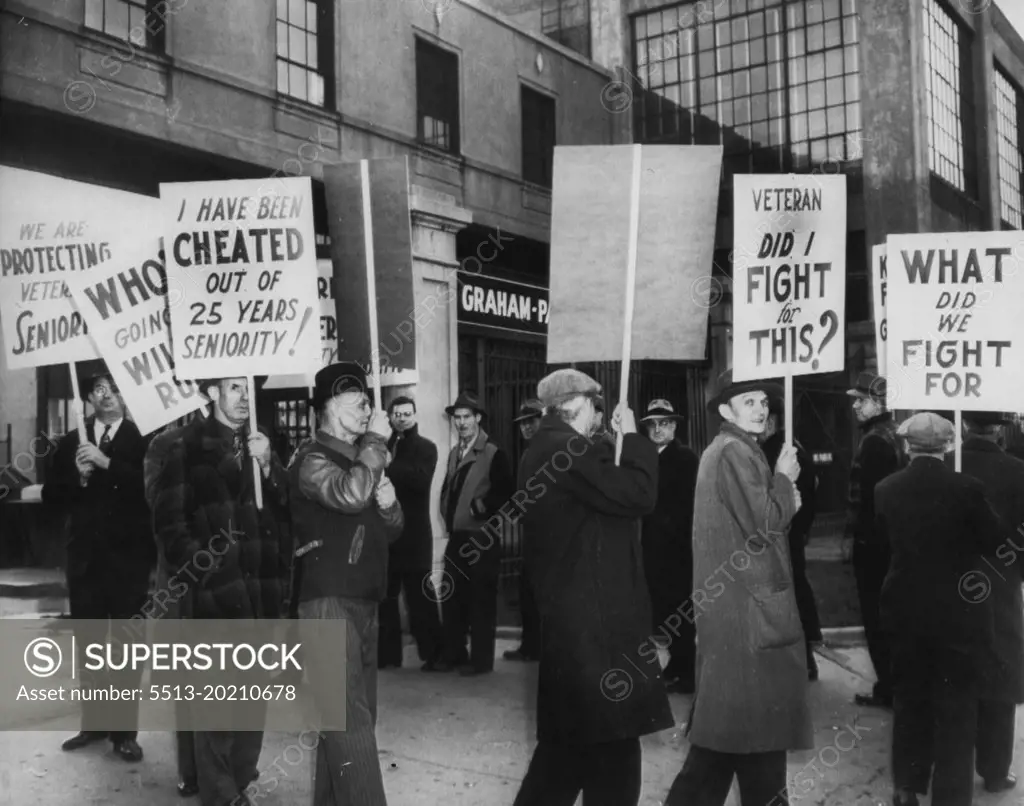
x: 627, y: 331
x: 77, y: 405
x: 788, y: 420
x: 958, y: 422
x: 371, y: 280
x: 254, y: 429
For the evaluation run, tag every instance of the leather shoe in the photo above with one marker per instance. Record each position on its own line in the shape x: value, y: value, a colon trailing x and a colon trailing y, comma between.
x: 187, y: 789
x: 1000, y: 784
x: 81, y: 739
x: 873, y: 700
x: 128, y: 749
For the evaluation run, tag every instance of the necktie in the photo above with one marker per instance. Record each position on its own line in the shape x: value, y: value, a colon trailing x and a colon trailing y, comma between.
x: 239, y: 448
x: 105, y: 440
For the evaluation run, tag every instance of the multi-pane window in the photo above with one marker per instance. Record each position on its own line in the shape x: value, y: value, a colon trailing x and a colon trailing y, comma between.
x: 538, y: 112
x: 776, y: 82
x: 305, y: 50
x: 568, y: 23
x: 437, y: 97
x: 944, y: 83
x: 140, y: 22
x: 1009, y: 127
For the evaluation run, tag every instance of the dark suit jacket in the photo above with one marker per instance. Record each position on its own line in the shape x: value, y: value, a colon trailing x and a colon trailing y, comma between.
x: 667, y: 532
x: 938, y: 525
x: 1003, y: 478
x: 412, y: 472
x: 110, y: 537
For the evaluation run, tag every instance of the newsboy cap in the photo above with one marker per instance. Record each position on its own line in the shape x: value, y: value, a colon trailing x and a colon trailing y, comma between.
x: 529, y: 410
x: 927, y: 432
x: 565, y: 384
x: 332, y: 380
x: 869, y: 385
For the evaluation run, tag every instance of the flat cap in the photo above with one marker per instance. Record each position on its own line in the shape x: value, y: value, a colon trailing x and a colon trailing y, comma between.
x: 927, y: 432
x: 529, y: 410
x: 869, y: 385
x: 565, y: 384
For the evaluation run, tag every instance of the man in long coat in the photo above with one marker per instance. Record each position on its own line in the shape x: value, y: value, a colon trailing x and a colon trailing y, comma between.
x: 666, y: 540
x: 750, y: 706
x: 414, y: 460
x: 1003, y: 686
x: 111, y: 552
x: 600, y: 686
x: 799, y: 527
x: 936, y: 608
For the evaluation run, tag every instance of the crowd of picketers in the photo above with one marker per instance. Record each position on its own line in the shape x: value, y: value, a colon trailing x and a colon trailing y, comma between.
x: 632, y: 545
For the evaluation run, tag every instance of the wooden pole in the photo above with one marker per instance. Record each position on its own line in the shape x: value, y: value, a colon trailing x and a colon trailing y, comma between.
x: 627, y: 330
x: 371, y: 280
x: 254, y: 429
x: 788, y: 409
x: 77, y: 405
x: 958, y: 422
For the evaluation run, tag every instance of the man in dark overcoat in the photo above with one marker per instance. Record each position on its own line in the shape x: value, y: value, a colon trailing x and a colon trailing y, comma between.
x: 878, y: 455
x: 799, y: 527
x: 935, y: 606
x: 667, y: 545
x: 205, y: 503
x: 750, y: 707
x: 1003, y: 676
x: 414, y: 460
x: 111, y: 552
x: 598, y: 691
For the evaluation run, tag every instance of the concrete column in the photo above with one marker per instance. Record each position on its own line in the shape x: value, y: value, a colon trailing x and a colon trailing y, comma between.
x: 436, y: 218
x: 609, y: 33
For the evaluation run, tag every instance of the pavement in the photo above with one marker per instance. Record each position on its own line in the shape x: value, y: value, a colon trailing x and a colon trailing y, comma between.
x: 450, y: 740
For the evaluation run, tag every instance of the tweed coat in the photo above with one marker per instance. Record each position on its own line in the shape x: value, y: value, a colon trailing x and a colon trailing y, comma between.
x: 751, y: 692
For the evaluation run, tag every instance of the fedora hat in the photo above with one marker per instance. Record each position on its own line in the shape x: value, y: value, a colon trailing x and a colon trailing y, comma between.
x: 529, y: 410
x: 986, y: 418
x: 89, y: 374
x: 465, y: 400
x: 869, y: 385
x: 728, y: 389
x: 661, y: 408
x: 345, y: 376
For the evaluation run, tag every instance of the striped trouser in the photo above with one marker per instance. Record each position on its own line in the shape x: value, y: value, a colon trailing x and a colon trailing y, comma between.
x: 347, y: 767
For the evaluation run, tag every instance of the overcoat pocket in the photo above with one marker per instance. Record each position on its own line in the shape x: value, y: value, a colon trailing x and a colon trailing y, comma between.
x: 776, y: 622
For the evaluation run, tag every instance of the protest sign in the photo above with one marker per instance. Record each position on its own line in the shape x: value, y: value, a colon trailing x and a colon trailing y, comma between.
x: 879, y: 282
x: 789, y: 275
x: 956, y: 328
x: 50, y: 229
x: 371, y: 243
x: 242, y: 255
x: 592, y: 232
x: 328, y: 331
x: 124, y: 305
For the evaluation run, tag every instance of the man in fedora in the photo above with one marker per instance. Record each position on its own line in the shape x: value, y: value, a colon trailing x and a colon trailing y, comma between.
x: 1002, y: 689
x: 879, y: 454
x: 345, y: 514
x: 99, y: 483
x: 667, y: 544
x: 600, y: 686
x: 477, y: 482
x: 530, y: 413
x: 937, y: 608
x: 750, y: 706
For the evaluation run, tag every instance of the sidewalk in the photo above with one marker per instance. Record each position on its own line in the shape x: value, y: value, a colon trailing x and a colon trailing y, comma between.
x: 451, y: 740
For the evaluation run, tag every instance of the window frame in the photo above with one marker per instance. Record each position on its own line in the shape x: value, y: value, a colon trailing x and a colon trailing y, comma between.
x: 1018, y: 97
x: 324, y: 37
x: 156, y: 40
x: 451, y: 105
x: 538, y: 164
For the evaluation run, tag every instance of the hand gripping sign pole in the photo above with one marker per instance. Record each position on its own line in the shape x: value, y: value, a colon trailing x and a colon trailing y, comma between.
x: 627, y: 330
x: 79, y: 409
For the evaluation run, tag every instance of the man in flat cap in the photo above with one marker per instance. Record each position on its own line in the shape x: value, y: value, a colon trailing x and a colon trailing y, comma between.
x: 774, y: 438
x: 345, y: 514
x: 477, y: 482
x: 750, y: 706
x: 206, y: 504
x: 411, y: 558
x: 936, y: 606
x: 878, y: 455
x: 111, y: 552
x: 1002, y: 685
x: 667, y: 544
x: 601, y: 430
x: 599, y: 689
x: 530, y: 413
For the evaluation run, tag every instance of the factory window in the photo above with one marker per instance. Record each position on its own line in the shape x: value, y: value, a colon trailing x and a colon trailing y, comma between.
x: 568, y: 23
x: 777, y: 84
x: 538, y: 113
x: 947, y: 58
x: 139, y: 22
x: 437, y: 97
x: 305, y: 51
x: 1010, y: 126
